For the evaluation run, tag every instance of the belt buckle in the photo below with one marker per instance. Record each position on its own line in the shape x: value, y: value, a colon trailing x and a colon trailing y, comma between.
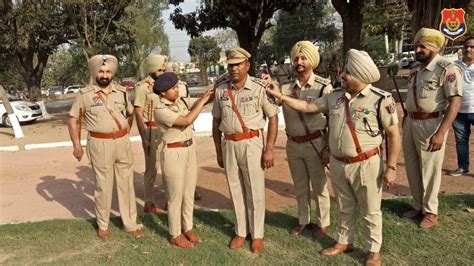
x: 187, y: 143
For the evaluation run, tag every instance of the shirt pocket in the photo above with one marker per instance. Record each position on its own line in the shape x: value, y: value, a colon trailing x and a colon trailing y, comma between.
x: 249, y: 108
x: 429, y: 89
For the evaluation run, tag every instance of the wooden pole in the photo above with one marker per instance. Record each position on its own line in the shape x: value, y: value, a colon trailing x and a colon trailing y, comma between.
x: 11, y: 115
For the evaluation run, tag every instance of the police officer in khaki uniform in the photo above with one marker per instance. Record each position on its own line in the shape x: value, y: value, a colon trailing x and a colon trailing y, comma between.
x: 433, y: 100
x: 358, y: 115
x: 175, y: 116
x: 145, y: 103
x: 307, y: 140
x: 104, y: 106
x: 240, y: 110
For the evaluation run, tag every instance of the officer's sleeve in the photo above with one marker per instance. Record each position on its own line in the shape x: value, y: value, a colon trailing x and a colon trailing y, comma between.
x: 322, y: 102
x: 77, y: 106
x: 269, y: 105
x: 216, y: 108
x: 140, y: 95
x: 388, y: 112
x: 164, y: 115
x: 452, y: 81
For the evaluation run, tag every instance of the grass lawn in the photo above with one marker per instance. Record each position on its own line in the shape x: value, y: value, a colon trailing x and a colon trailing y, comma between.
x: 68, y: 242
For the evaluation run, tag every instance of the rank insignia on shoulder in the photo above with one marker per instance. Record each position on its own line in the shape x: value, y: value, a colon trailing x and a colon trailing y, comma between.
x: 451, y: 77
x: 340, y: 100
x: 391, y: 108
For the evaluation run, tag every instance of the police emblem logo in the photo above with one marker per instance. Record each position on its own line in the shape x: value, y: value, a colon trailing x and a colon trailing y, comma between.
x: 453, y: 24
x: 451, y: 77
x: 391, y: 108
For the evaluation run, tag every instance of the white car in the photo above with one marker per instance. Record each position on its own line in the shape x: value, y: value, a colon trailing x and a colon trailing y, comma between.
x: 73, y: 89
x: 25, y: 111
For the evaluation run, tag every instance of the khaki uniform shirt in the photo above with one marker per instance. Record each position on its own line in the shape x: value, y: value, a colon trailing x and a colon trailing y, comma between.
x: 146, y: 98
x: 364, y: 111
x: 167, y: 112
x: 439, y: 73
x: 96, y: 116
x: 252, y: 102
x: 314, y: 89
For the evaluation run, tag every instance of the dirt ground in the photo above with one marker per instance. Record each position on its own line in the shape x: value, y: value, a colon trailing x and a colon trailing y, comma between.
x: 44, y: 184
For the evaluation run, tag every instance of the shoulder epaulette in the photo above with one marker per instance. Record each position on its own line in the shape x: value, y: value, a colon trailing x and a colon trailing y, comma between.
x: 385, y: 94
x: 260, y: 82
x: 322, y: 80
x: 87, y: 89
x: 120, y: 88
x: 443, y: 63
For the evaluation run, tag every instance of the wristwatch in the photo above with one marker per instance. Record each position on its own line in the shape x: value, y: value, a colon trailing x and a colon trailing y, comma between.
x: 394, y: 168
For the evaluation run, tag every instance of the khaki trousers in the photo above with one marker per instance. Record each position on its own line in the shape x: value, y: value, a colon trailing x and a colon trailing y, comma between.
x: 179, y: 167
x: 109, y: 156
x: 358, y: 187
x: 246, y: 179
x: 152, y: 162
x: 423, y: 167
x: 308, y: 173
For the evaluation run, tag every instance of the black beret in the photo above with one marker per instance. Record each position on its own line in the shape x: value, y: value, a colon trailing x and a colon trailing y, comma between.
x: 165, y: 82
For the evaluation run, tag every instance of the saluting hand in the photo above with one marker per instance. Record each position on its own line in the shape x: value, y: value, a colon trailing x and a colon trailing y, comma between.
x: 78, y: 152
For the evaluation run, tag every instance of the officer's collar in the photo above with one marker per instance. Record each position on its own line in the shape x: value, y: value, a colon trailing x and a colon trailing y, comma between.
x: 247, y: 84
x: 431, y: 66
x: 168, y: 102
x: 308, y: 84
x: 97, y: 88
x: 363, y: 92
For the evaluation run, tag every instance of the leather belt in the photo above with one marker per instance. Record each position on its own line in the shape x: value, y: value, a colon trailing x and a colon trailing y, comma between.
x: 360, y: 157
x: 305, y: 138
x: 423, y: 115
x: 113, y: 135
x: 180, y: 144
x: 241, y: 136
x: 151, y: 124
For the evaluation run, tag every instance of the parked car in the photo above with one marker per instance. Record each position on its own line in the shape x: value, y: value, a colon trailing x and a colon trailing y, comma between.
x: 130, y: 85
x: 25, y: 111
x: 56, y: 90
x: 452, y: 53
x: 73, y: 89
x: 406, y: 61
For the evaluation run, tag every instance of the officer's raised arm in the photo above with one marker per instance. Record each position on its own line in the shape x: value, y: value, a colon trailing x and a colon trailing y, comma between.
x: 298, y: 105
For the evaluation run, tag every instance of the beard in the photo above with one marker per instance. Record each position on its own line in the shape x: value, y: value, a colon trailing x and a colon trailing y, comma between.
x: 103, y: 82
x: 423, y: 58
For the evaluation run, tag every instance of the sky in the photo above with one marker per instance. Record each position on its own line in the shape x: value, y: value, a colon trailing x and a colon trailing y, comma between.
x: 178, y: 40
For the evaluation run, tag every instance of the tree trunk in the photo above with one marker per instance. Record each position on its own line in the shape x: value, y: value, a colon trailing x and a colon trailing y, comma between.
x: 352, y: 16
x: 32, y: 74
x: 250, y: 43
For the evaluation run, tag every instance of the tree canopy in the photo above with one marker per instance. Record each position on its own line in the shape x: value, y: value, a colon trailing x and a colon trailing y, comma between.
x: 204, y: 50
x: 248, y: 18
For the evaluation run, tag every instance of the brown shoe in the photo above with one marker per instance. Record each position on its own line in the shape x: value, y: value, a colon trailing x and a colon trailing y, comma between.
x: 373, y: 259
x: 299, y: 229
x: 319, y: 232
x: 257, y: 245
x: 104, y: 234
x: 413, y: 214
x: 137, y: 233
x: 193, y: 237
x: 151, y: 208
x: 181, y: 241
x: 237, y: 242
x: 429, y: 221
x: 337, y: 249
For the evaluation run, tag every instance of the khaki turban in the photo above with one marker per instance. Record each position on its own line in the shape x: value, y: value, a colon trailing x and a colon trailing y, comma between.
x: 361, y: 66
x: 172, y: 66
x: 99, y: 60
x: 154, y: 62
x: 430, y: 38
x: 308, y: 49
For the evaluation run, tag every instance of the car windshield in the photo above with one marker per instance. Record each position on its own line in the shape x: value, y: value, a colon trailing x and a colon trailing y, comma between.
x: 12, y: 98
